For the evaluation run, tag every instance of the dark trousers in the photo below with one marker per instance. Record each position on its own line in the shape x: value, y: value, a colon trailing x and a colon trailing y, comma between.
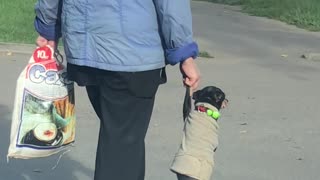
x: 124, y: 102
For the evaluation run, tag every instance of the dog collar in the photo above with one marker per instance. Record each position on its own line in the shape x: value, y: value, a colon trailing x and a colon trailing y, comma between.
x: 214, y: 114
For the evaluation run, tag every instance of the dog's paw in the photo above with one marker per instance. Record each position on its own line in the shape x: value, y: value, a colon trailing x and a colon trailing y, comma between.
x: 224, y: 104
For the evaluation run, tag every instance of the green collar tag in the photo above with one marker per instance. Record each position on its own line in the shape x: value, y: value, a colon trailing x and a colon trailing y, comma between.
x: 214, y: 114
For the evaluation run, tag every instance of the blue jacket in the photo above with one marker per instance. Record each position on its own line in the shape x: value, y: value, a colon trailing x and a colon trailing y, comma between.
x: 119, y: 35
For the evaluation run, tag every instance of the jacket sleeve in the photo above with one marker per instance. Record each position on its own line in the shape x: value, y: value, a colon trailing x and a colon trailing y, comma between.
x: 47, y: 22
x: 175, y: 22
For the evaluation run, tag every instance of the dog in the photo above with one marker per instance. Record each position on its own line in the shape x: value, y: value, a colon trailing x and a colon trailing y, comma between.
x: 195, y: 157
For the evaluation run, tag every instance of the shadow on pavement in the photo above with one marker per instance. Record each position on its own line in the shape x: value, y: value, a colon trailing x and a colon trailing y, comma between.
x: 35, y: 169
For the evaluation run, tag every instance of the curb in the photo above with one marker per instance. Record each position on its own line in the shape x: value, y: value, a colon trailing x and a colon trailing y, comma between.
x: 17, y: 48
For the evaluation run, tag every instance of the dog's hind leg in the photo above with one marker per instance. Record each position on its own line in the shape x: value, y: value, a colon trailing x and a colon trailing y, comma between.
x: 183, y: 177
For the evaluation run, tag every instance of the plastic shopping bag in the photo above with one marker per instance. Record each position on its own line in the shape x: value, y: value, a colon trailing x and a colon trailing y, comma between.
x: 43, y: 120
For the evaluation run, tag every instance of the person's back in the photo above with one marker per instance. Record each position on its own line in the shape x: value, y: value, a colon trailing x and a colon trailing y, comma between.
x: 112, y: 35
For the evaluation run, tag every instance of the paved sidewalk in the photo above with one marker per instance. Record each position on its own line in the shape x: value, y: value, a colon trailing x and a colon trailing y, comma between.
x: 269, y: 132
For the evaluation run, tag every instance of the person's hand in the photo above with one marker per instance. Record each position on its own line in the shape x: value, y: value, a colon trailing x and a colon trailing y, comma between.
x: 41, y: 42
x: 190, y: 73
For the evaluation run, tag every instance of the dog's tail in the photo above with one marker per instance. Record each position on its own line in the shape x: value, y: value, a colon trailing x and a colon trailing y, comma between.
x: 186, y: 103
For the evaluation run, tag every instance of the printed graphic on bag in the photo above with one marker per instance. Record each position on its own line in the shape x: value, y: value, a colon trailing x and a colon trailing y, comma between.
x: 46, y: 124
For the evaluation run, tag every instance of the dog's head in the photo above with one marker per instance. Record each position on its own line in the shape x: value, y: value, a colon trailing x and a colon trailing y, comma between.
x: 211, y: 95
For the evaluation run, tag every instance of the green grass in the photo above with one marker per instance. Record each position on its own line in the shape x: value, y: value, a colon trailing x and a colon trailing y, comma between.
x: 302, y: 13
x: 230, y: 2
x: 205, y: 54
x: 16, y: 21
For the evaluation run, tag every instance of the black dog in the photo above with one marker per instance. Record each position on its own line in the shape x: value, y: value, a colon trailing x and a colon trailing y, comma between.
x: 200, y: 132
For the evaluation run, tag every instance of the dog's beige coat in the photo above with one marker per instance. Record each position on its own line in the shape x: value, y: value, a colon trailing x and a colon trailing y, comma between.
x: 195, y: 157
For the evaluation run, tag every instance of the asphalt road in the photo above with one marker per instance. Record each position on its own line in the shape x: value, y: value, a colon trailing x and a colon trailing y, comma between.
x: 270, y: 131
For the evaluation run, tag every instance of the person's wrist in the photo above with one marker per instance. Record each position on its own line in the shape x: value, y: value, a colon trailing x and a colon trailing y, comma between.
x: 187, y: 61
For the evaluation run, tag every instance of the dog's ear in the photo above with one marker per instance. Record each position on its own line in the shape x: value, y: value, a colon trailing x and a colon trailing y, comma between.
x: 196, y: 95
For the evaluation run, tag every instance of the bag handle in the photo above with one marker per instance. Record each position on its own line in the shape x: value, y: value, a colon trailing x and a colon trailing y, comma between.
x: 58, y: 56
